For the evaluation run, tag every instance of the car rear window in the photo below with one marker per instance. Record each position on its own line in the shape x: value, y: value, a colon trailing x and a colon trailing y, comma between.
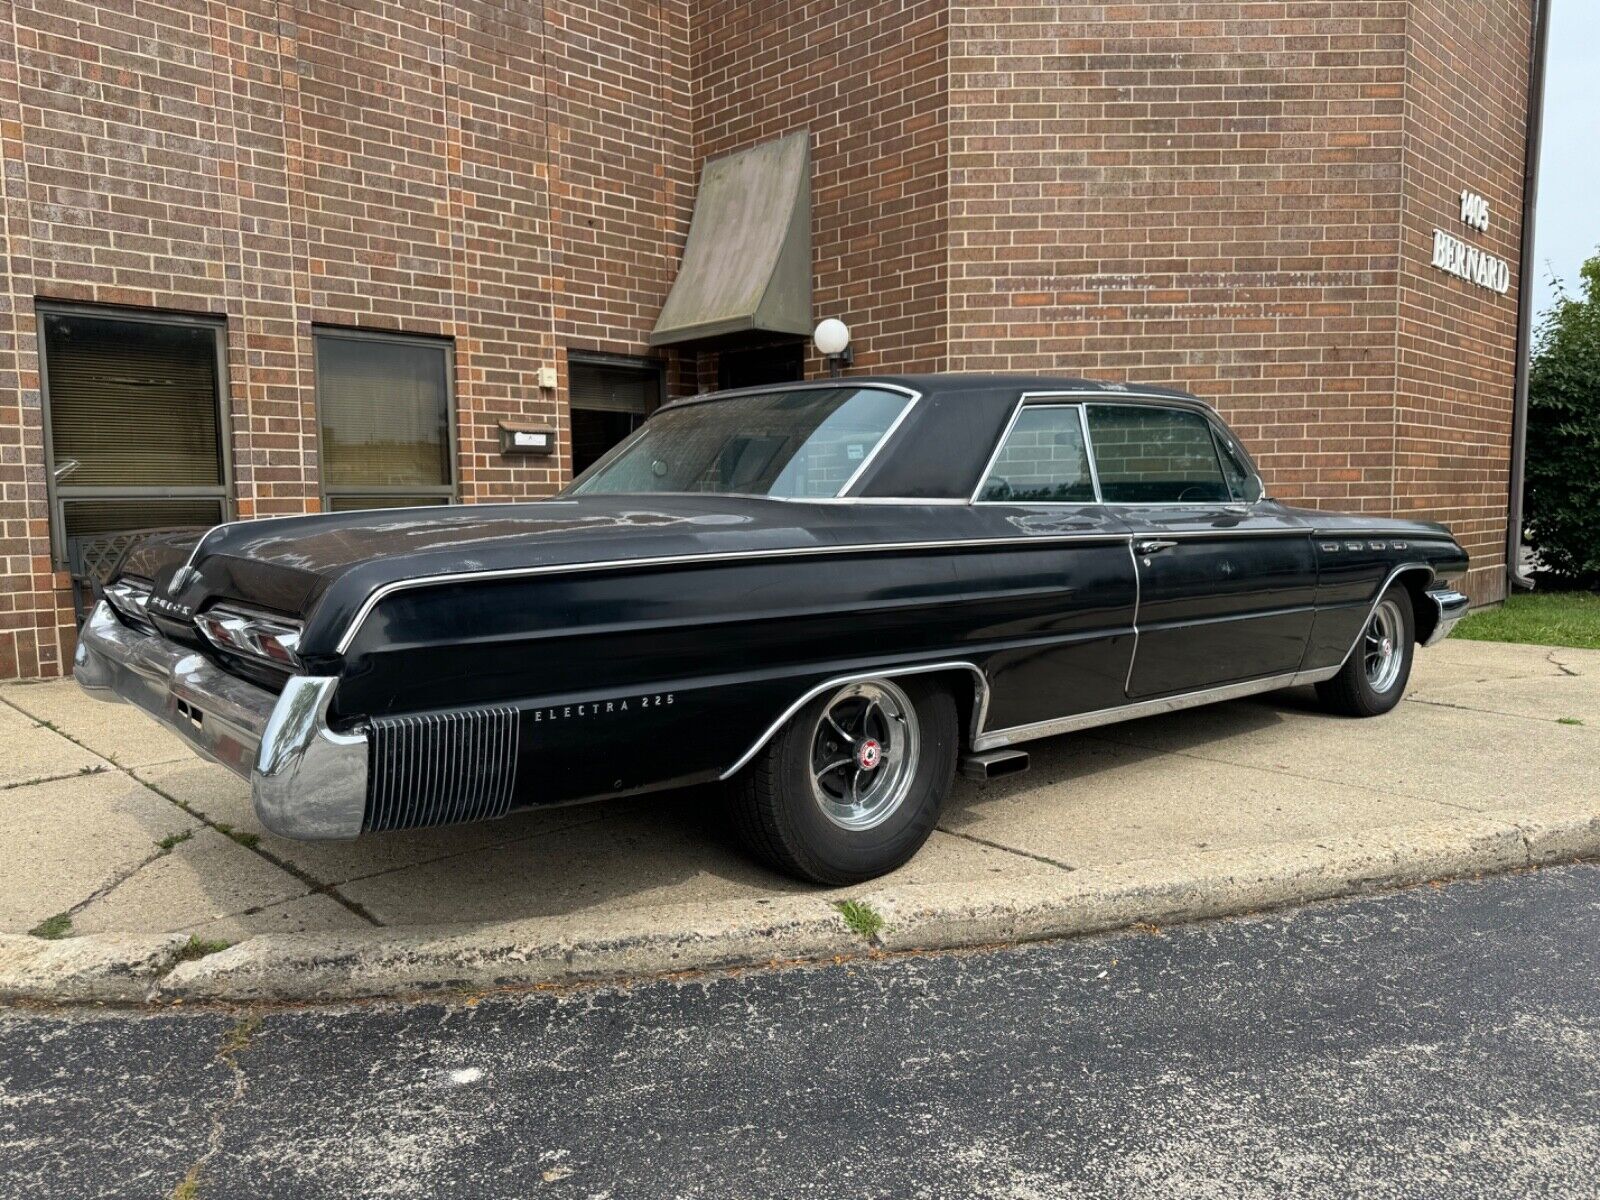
x: 792, y: 443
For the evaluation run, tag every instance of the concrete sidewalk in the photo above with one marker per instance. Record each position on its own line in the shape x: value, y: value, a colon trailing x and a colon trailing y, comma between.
x: 108, y: 826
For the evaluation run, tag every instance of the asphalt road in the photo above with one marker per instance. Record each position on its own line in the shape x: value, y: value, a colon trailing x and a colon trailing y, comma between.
x: 1438, y: 1043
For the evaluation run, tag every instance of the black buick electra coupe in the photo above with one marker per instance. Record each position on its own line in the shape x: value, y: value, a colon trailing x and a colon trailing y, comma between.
x: 829, y: 596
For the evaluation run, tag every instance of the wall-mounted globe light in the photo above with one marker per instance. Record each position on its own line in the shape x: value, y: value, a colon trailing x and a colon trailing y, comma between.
x: 832, y: 340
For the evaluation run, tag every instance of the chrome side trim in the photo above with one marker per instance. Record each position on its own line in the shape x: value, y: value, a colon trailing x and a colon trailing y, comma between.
x: 1148, y: 708
x: 712, y: 556
x: 442, y: 768
x: 980, y: 710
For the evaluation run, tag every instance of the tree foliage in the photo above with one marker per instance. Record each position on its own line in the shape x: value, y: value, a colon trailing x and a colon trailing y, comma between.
x: 1562, y: 498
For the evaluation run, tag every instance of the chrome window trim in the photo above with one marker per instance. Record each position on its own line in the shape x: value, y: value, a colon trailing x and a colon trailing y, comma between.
x: 980, y: 708
x: 712, y: 556
x: 994, y: 455
x: 1083, y: 397
x: 1000, y: 446
x: 1088, y: 449
x: 1210, y: 420
x: 894, y: 427
x: 802, y: 385
x: 765, y: 389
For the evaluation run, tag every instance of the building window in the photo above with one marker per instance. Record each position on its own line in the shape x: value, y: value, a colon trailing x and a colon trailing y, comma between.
x: 384, y: 406
x: 758, y: 366
x: 608, y: 402
x: 136, y: 428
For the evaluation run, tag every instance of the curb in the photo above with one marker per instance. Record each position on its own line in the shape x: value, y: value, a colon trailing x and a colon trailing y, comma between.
x: 680, y: 938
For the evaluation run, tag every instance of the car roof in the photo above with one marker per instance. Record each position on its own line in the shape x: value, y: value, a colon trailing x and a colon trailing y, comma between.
x: 942, y: 444
x: 956, y: 382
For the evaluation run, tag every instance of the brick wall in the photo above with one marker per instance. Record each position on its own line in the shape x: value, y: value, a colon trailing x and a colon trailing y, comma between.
x: 868, y: 78
x: 1236, y: 198
x: 1454, y: 365
x: 516, y: 178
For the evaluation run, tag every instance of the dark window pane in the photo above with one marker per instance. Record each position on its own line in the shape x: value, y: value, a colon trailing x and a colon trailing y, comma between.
x: 761, y: 365
x: 594, y: 431
x: 85, y: 517
x: 616, y: 389
x: 355, y: 503
x: 385, y: 412
x: 132, y: 403
x: 1150, y: 455
x: 1043, y: 460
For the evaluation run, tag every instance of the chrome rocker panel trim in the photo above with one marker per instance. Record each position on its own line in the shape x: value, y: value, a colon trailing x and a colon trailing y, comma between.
x: 1147, y: 708
x: 307, y: 781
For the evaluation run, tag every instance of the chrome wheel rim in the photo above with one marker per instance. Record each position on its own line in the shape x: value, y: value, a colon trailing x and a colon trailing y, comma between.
x: 1381, y: 649
x: 864, y: 754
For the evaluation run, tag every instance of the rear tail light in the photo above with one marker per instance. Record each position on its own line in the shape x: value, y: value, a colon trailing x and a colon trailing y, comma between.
x: 258, y: 637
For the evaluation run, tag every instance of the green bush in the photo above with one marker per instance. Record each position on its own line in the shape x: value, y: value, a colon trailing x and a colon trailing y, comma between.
x: 1562, y: 497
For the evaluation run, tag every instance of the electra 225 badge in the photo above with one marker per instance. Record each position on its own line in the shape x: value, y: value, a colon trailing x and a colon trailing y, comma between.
x: 605, y: 708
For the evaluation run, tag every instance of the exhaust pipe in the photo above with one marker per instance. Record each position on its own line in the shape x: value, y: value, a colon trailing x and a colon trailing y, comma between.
x: 992, y: 764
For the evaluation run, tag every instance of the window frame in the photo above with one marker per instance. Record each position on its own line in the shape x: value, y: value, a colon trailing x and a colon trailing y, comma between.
x: 1081, y: 399
x: 842, y: 496
x: 615, y: 362
x: 57, y: 495
x: 1005, y: 436
x: 449, y: 493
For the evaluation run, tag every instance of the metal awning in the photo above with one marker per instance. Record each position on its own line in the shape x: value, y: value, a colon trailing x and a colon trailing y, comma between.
x: 747, y: 265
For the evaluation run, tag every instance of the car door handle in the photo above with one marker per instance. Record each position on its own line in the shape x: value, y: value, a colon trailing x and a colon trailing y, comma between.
x: 1151, y: 545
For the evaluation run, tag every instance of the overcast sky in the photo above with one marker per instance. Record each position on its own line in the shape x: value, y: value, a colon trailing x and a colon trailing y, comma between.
x: 1567, y: 228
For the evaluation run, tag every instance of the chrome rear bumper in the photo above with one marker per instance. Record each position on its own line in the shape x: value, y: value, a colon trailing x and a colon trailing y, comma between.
x: 307, y: 780
x: 1450, y: 606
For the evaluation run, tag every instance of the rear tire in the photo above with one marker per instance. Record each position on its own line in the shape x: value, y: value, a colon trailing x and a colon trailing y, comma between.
x: 1374, y: 677
x: 853, y: 785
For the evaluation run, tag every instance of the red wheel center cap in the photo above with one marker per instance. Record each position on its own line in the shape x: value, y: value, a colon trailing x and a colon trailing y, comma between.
x: 869, y: 754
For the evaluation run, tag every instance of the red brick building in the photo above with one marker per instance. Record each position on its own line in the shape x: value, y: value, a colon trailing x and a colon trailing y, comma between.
x: 275, y: 255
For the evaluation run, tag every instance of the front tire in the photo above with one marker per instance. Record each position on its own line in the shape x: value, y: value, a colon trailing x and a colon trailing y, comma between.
x: 1374, y: 677
x: 854, y: 784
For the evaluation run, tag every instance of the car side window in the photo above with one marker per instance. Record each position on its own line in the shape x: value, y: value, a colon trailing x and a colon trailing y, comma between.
x: 1042, y: 461
x: 1146, y: 454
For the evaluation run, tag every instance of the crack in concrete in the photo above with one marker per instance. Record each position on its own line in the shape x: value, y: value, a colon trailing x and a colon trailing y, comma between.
x: 1039, y: 858
x: 305, y: 877
x: 81, y: 773
x: 1494, y: 712
x: 1561, y: 666
x: 283, y: 864
x: 440, y: 858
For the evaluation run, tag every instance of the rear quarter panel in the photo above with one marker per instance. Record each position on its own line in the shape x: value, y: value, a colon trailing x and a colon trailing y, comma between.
x: 651, y: 677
